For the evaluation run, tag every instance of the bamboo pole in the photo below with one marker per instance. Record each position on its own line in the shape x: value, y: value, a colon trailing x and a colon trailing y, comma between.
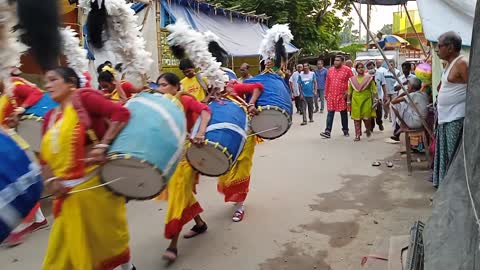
x: 159, y: 35
x: 369, y: 9
x: 415, y: 30
x: 424, y: 123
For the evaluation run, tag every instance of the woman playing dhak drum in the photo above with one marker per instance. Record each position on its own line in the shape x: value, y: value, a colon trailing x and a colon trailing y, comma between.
x: 25, y: 95
x: 35, y: 24
x: 182, y: 204
x: 90, y: 228
x: 118, y: 91
x: 188, y: 43
x: 235, y: 183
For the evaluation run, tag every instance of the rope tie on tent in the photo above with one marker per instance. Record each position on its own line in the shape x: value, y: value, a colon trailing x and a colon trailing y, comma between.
x: 472, y: 201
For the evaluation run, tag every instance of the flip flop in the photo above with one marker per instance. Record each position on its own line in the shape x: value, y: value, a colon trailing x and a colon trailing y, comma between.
x: 376, y: 164
x: 389, y: 164
x: 170, y: 255
x: 196, y: 230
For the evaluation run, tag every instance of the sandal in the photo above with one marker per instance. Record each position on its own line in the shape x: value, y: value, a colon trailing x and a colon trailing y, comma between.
x: 196, y: 230
x: 170, y: 255
x: 357, y: 139
x: 238, y: 216
x: 376, y: 164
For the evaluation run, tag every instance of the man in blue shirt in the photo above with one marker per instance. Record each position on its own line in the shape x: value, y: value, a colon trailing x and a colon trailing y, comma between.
x: 320, y: 76
x: 307, y: 85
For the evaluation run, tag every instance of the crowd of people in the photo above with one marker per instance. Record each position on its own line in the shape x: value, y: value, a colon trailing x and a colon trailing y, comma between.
x: 81, y: 106
x: 87, y: 121
x: 373, y: 92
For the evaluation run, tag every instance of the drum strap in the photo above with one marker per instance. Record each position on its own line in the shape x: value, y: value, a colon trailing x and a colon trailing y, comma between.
x: 202, y: 83
x: 92, y: 136
x: 75, y: 182
x: 239, y: 101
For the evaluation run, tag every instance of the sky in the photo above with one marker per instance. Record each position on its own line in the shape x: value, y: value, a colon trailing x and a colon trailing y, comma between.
x: 380, y: 16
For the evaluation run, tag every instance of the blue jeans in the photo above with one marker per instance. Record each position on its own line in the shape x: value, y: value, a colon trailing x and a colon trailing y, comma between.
x: 321, y: 97
x: 331, y: 116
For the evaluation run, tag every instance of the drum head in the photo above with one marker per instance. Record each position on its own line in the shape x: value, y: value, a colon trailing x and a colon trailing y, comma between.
x: 141, y: 181
x: 208, y: 159
x: 31, y: 131
x: 267, y: 120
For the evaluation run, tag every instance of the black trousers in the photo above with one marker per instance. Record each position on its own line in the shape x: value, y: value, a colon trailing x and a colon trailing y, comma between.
x: 379, y: 118
x: 331, y: 116
x: 307, y: 104
x: 298, y: 103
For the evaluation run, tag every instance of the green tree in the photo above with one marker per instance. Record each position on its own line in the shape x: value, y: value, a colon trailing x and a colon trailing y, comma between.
x: 353, y: 49
x: 314, y: 24
x: 387, y: 29
x: 348, y: 34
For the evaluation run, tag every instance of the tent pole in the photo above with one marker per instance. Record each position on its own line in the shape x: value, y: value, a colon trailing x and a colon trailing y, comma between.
x: 424, y: 123
x: 159, y: 34
x: 415, y: 30
x: 369, y: 9
x: 360, y: 25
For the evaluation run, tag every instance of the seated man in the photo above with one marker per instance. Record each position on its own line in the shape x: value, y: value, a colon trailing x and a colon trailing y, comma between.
x: 403, y: 108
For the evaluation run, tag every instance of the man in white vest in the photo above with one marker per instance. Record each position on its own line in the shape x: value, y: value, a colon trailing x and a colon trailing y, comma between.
x: 450, y: 103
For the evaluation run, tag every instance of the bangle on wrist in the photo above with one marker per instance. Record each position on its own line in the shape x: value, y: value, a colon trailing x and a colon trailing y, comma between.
x: 101, y: 146
x: 49, y: 180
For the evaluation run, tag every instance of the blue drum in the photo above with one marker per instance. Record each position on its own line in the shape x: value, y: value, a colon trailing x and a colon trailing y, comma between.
x: 20, y: 185
x: 225, y: 137
x: 274, y: 106
x: 30, y: 127
x: 146, y: 152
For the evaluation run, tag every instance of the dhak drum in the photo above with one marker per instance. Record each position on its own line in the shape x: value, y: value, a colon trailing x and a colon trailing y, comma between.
x: 147, y: 151
x: 224, y: 139
x: 30, y: 126
x: 274, y: 106
x: 20, y: 185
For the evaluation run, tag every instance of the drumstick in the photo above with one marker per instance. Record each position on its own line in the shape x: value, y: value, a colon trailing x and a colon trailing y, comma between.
x: 86, y: 189
x: 267, y: 130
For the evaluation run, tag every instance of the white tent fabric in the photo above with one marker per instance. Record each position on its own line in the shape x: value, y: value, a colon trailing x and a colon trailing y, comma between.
x: 239, y: 37
x: 149, y: 32
x: 440, y: 16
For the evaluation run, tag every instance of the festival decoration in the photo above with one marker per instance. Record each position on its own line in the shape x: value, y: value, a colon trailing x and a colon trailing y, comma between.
x: 274, y: 42
x: 188, y: 42
x: 76, y: 55
x: 118, y: 26
x: 424, y: 73
x: 10, y: 47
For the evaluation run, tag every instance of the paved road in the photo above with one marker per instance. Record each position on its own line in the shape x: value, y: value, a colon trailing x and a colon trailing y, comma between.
x: 304, y: 210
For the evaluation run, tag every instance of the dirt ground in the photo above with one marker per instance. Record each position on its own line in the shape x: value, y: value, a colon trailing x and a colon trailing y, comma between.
x: 313, y: 204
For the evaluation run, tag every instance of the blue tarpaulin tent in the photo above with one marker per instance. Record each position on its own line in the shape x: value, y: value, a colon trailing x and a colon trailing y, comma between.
x: 240, y: 34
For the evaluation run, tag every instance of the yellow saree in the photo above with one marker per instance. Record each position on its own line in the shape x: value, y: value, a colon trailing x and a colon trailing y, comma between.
x: 182, y: 204
x: 235, y: 183
x: 90, y: 228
